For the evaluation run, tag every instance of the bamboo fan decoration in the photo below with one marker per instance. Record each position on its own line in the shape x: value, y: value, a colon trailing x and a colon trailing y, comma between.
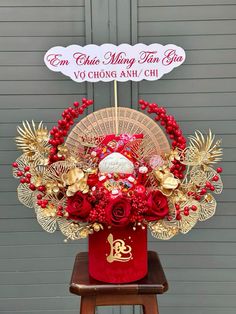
x: 102, y: 122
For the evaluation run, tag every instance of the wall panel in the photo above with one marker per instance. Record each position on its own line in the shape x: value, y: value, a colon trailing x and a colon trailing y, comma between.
x: 35, y: 267
x: 201, y: 95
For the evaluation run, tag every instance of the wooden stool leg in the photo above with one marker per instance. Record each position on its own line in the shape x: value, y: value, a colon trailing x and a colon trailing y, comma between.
x: 150, y: 304
x: 88, y: 305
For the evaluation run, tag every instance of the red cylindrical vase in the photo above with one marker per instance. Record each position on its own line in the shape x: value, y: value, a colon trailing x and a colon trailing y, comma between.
x: 118, y: 255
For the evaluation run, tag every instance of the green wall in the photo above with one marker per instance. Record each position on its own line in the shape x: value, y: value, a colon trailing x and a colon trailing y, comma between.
x: 35, y: 267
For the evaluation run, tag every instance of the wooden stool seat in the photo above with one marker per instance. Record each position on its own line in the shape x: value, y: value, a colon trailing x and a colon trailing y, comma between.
x: 95, y: 293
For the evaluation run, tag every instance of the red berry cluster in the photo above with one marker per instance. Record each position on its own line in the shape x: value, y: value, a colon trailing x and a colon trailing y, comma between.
x: 59, y: 132
x: 60, y: 211
x: 139, y: 207
x: 99, y: 200
x: 42, y: 203
x: 197, y: 196
x: 25, y: 178
x: 93, y: 216
x: 172, y: 129
x: 24, y: 175
x: 185, y: 211
x: 210, y: 184
x: 98, y: 212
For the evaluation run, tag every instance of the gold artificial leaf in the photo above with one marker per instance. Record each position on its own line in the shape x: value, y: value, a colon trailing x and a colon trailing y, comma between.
x: 208, y: 207
x: 202, y: 150
x: 32, y: 138
x: 163, y: 230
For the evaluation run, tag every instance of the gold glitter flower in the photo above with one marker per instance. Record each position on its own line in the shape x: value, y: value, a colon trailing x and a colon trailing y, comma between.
x: 179, y: 196
x: 76, y: 180
x: 49, y: 211
x: 37, y: 179
x: 52, y: 187
x: 84, y: 233
x: 167, y: 182
x: 97, y: 226
x: 62, y: 151
x: 173, y: 155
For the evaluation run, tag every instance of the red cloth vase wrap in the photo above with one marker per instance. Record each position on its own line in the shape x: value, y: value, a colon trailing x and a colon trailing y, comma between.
x: 118, y: 255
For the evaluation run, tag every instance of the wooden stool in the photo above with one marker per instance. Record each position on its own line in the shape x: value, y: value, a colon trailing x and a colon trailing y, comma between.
x: 95, y: 293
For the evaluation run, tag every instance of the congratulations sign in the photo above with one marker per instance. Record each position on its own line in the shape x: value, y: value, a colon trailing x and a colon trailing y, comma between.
x: 109, y: 62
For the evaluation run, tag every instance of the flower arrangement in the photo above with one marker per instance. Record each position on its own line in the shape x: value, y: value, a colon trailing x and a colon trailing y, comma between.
x: 114, y: 180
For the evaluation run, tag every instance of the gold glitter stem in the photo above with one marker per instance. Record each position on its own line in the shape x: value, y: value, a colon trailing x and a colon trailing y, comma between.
x: 186, y: 175
x: 116, y: 108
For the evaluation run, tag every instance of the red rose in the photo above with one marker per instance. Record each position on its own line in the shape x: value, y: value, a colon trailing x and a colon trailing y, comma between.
x: 78, y: 206
x: 157, y: 206
x: 118, y: 212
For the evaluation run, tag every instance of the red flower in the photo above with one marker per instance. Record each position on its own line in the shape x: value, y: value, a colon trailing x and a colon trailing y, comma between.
x: 118, y: 212
x: 78, y: 206
x: 157, y: 206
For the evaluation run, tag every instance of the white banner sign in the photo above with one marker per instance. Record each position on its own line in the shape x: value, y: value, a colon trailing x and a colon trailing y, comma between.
x: 109, y: 62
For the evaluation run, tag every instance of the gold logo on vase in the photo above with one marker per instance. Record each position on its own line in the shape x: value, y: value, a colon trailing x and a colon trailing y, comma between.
x: 118, y: 248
